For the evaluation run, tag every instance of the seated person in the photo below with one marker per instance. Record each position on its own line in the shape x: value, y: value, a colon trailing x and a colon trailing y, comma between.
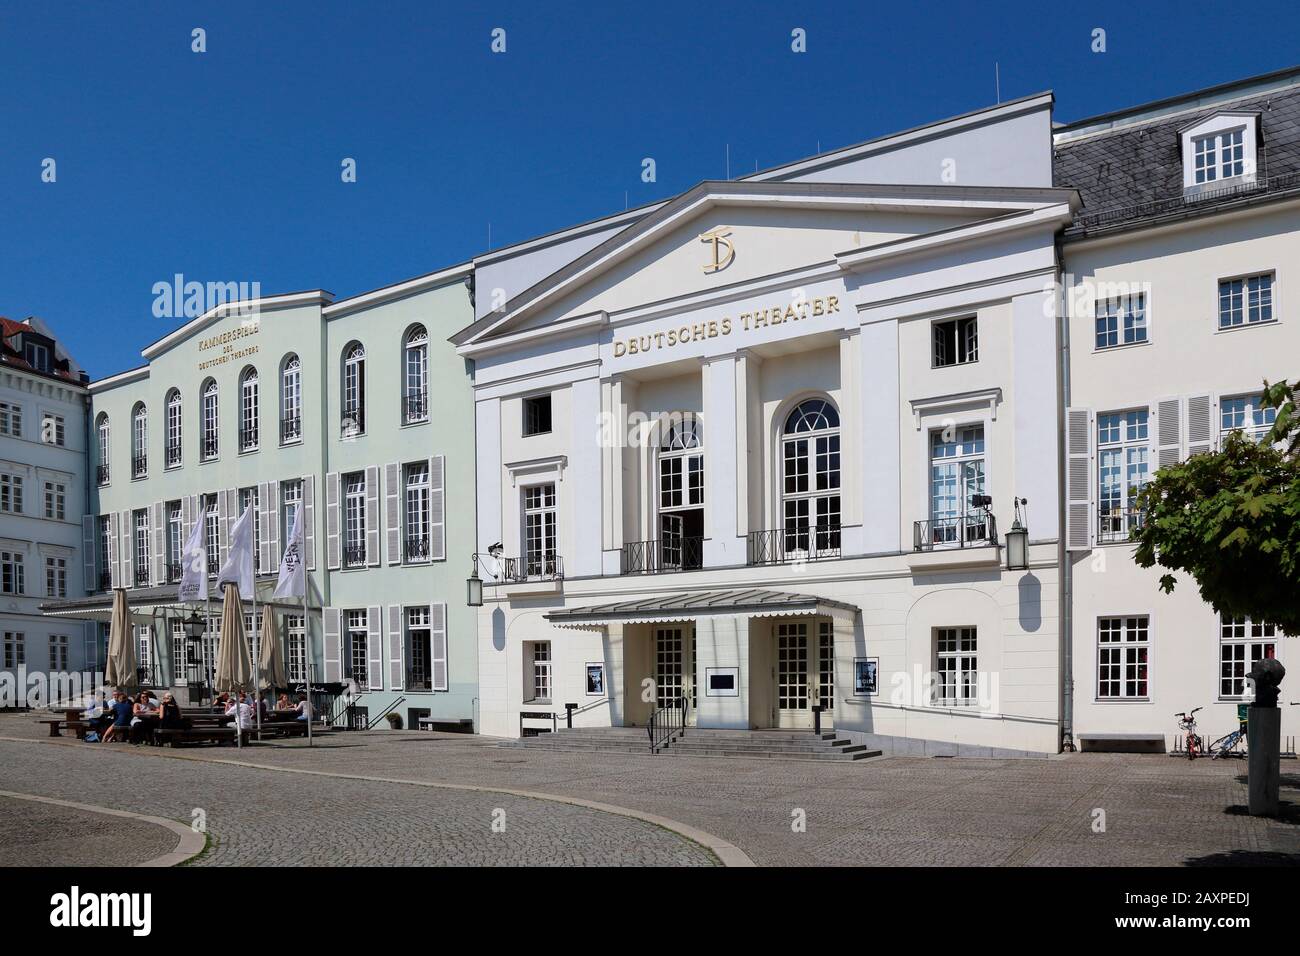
x: 303, y: 708
x: 283, y: 703
x: 121, y: 710
x: 241, y: 712
x: 144, y: 718
x: 170, y: 716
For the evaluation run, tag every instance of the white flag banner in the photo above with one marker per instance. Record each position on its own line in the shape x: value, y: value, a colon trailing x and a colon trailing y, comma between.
x: 194, y: 566
x: 293, y: 575
x: 238, y: 568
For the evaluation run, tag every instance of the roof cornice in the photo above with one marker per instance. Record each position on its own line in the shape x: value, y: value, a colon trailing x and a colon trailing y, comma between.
x: 285, y: 301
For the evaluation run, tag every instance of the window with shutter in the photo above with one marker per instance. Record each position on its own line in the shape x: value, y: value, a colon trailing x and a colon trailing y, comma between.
x: 1078, y: 479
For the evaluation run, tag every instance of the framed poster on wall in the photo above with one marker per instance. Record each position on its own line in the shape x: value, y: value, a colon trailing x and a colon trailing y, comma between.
x: 866, y: 671
x: 722, y: 681
x: 595, y: 680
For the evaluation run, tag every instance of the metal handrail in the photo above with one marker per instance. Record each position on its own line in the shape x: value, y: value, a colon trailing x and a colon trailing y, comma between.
x: 649, y: 557
x: 964, y: 531
x: 546, y: 568
x: 101, y: 474
x: 386, y: 711
x: 139, y: 466
x: 415, y: 407
x: 1118, y: 524
x: 665, y: 723
x: 1156, y: 207
x: 802, y: 542
x: 417, y: 548
x: 290, y: 428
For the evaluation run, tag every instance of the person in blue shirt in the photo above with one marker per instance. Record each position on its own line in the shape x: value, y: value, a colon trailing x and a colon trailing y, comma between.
x: 121, y: 709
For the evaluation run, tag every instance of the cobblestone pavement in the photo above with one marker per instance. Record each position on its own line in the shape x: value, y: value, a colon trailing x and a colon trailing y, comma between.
x: 38, y: 834
x: 1156, y: 810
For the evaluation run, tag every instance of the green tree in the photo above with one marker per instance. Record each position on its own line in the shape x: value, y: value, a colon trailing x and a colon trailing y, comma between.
x: 1231, y: 520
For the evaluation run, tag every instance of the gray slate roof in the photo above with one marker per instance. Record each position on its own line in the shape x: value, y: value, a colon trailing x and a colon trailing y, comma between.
x: 735, y: 601
x: 1133, y: 175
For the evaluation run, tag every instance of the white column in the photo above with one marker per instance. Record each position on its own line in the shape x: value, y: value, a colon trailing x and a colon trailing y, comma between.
x: 487, y: 450
x: 722, y: 547
x: 585, y: 467
x: 851, y: 441
x: 880, y: 406
x: 613, y: 493
x: 1034, y: 399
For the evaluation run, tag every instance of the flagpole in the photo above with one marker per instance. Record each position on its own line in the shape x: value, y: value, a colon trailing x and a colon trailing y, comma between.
x: 306, y: 640
x: 257, y: 658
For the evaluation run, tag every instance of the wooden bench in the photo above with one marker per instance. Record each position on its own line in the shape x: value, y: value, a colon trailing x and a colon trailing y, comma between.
x: 1122, y: 743
x: 218, y: 735
x: 57, y: 724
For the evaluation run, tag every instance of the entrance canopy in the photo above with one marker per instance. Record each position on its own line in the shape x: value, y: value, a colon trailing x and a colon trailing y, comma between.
x: 692, y: 605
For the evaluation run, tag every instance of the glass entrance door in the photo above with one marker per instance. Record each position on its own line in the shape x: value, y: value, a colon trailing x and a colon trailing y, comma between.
x: 805, y: 673
x: 675, y: 668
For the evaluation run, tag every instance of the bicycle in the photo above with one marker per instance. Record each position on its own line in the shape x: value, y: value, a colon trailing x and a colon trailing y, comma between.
x: 1187, y: 723
x: 1226, y: 746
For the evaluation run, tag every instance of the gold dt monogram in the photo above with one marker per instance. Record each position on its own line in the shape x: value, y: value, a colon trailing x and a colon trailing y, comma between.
x: 721, y: 244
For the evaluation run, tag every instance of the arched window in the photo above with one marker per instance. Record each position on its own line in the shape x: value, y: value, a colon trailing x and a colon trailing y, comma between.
x: 810, y: 478
x: 248, y: 405
x: 175, y: 412
x: 415, y: 393
x: 102, y: 435
x: 139, y: 441
x: 291, y: 399
x: 209, y: 423
x: 681, y: 492
x: 354, y: 389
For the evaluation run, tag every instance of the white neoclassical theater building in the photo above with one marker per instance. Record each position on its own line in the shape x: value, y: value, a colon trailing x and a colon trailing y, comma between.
x: 734, y: 449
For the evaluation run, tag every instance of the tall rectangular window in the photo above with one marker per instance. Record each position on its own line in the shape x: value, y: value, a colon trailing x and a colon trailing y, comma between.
x: 956, y: 342
x: 1122, y: 471
x: 56, y: 500
x: 1242, y: 643
x: 56, y: 577
x: 354, y: 524
x: 175, y: 411
x: 541, y: 671
x: 52, y: 429
x: 180, y: 654
x: 105, y: 536
x: 416, y: 514
x: 210, y: 422
x: 291, y: 401
x: 11, y: 573
x: 11, y: 494
x: 1245, y: 301
x: 15, y: 650
x: 1123, y: 658
x: 419, y: 649
x: 59, y: 652
x: 291, y: 501
x: 140, y: 552
x: 295, y: 643
x: 355, y: 649
x: 212, y: 534
x: 956, y: 666
x: 1246, y: 414
x: 539, y: 530
x: 956, y: 477
x: 1122, y: 320
x: 175, y: 540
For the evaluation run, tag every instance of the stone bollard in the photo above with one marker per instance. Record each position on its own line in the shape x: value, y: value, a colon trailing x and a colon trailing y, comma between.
x: 1264, y: 739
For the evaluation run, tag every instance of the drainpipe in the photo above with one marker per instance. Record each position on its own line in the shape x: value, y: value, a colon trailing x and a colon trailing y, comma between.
x: 1063, y: 555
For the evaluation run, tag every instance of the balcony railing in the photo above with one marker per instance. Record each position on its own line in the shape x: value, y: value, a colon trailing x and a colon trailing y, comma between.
x: 290, y: 429
x: 213, y: 565
x: 417, y: 548
x: 210, y: 446
x: 248, y: 438
x: 418, y: 680
x: 659, y: 555
x: 963, y: 531
x: 142, y: 576
x: 415, y: 407
x: 101, y: 474
x: 173, y: 455
x: 173, y: 572
x: 354, y: 556
x: 535, y: 568
x: 139, y: 466
x: 1117, y: 524
x: 354, y: 419
x: 794, y: 543
x: 105, y: 580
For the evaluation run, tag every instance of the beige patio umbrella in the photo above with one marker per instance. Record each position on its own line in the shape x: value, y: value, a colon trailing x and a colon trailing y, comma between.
x: 271, y: 657
x: 119, y: 669
x: 234, y: 663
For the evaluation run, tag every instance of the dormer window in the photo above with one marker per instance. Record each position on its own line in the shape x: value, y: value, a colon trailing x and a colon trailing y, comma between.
x: 1219, y: 152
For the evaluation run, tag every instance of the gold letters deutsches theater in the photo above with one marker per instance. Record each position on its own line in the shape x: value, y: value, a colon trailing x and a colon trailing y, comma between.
x: 712, y: 328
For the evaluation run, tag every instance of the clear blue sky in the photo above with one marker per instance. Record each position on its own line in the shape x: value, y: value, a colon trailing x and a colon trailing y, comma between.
x: 224, y: 166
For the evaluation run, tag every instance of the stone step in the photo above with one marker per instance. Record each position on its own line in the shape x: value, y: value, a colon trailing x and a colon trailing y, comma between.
x: 673, y: 751
x: 788, y: 745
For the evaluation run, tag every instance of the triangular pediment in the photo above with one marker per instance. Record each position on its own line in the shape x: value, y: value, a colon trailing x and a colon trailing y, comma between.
x: 722, y: 236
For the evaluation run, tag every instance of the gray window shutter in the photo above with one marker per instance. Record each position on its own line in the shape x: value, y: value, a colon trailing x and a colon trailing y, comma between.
x: 438, y: 508
x: 393, y: 511
x: 374, y: 649
x: 333, y: 650
x: 333, y: 547
x: 271, y: 525
x: 372, y: 515
x: 1200, y: 424
x: 1169, y: 434
x: 438, y: 640
x: 396, y: 645
x: 223, y: 526
x: 127, y: 551
x: 114, y: 565
x: 308, y: 519
x: 159, y: 543
x: 1078, y: 479
x: 88, y: 552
